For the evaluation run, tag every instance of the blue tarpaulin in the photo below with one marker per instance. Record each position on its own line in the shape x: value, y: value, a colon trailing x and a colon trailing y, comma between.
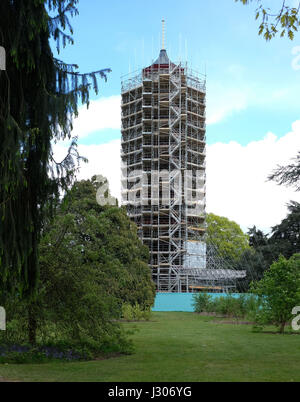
x: 179, y: 301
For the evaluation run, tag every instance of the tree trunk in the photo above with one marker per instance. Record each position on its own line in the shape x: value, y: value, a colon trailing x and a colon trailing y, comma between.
x: 281, y: 328
x: 32, y: 324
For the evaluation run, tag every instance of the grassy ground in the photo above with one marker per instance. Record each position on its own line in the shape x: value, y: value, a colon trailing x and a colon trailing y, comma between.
x: 182, y: 347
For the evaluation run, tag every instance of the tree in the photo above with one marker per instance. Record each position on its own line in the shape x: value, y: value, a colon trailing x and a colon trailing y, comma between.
x: 255, y: 259
x: 280, y: 290
x: 39, y: 95
x: 227, y: 236
x: 73, y: 301
x: 91, y: 262
x: 254, y: 263
x: 284, y: 21
x: 110, y: 242
x: 257, y: 238
x: 263, y: 246
x: 73, y: 305
x: 285, y: 237
x: 288, y: 175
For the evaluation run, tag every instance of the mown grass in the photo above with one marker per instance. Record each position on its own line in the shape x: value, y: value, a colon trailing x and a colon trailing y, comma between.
x: 179, y: 347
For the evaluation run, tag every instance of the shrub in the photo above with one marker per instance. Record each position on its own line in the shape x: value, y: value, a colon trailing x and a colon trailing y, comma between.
x: 202, y: 302
x: 135, y: 312
x: 127, y: 312
x: 228, y: 306
x: 252, y: 306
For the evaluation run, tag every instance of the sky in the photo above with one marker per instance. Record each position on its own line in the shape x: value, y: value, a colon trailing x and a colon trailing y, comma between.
x: 253, y: 87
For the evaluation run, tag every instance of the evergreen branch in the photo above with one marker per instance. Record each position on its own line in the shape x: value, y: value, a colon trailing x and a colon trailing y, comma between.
x: 288, y: 175
x: 69, y: 69
x: 66, y: 168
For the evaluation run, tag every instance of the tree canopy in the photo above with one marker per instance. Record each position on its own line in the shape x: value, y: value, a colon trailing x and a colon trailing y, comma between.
x: 286, y: 235
x: 284, y: 238
x: 227, y: 236
x: 280, y: 291
x: 110, y: 242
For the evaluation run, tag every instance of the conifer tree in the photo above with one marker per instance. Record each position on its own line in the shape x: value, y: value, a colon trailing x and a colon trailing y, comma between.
x: 39, y: 96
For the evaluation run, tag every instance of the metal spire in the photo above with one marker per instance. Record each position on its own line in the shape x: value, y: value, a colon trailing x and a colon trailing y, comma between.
x: 163, y: 34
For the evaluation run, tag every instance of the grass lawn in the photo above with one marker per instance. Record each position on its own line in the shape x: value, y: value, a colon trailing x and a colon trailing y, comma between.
x: 182, y: 347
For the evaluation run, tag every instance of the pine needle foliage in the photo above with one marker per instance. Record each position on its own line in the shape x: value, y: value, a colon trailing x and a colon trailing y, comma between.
x: 39, y: 97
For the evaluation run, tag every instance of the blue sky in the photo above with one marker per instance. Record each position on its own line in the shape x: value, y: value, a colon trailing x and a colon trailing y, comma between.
x: 219, y: 36
x: 253, y: 87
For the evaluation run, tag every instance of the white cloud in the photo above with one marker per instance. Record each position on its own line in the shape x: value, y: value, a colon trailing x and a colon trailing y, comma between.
x: 223, y: 101
x: 103, y: 160
x: 104, y: 113
x: 236, y: 179
x: 236, y: 176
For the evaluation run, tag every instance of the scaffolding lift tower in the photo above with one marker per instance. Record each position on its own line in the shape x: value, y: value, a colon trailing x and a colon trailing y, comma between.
x: 163, y: 172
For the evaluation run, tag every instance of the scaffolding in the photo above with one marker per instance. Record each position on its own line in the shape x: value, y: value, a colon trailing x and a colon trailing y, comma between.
x: 163, y: 171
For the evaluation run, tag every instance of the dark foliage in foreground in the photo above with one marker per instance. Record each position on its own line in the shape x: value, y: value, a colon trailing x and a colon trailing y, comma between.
x: 91, y: 263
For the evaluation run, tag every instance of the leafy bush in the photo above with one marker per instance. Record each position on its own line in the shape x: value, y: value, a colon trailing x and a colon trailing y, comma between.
x: 127, y: 312
x: 227, y: 306
x: 202, y: 302
x: 252, y: 306
x: 135, y: 312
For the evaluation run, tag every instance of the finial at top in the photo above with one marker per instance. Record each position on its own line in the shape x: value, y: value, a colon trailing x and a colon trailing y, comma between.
x: 163, y: 34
